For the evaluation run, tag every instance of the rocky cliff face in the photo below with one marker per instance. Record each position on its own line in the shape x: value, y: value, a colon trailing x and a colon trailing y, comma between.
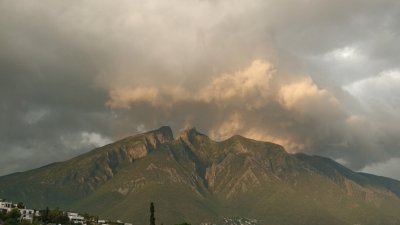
x: 194, y: 178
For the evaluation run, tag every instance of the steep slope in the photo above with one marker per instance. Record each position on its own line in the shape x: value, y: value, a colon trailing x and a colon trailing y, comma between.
x: 61, y: 184
x: 193, y: 178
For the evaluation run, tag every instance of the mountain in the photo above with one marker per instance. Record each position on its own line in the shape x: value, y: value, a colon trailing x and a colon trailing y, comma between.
x: 193, y: 178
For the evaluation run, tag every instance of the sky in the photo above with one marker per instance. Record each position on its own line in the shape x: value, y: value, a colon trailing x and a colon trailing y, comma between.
x: 316, y: 76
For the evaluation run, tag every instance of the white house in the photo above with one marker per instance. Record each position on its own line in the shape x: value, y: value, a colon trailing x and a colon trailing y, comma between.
x: 101, y: 222
x: 76, y: 218
x: 37, y: 212
x: 6, y: 206
x: 27, y: 214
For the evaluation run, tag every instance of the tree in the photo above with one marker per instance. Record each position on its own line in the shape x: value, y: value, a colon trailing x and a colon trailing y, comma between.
x: 20, y: 205
x: 45, y: 215
x: 152, y: 218
x: 3, y: 214
x: 90, y: 219
x: 14, y: 214
x: 57, y: 216
x: 25, y: 222
x: 183, y: 224
x: 12, y: 217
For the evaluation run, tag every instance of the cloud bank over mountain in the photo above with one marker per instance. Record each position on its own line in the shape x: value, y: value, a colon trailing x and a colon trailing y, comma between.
x: 315, y: 76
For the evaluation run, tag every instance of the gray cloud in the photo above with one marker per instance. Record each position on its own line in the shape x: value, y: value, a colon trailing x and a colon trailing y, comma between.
x: 315, y: 76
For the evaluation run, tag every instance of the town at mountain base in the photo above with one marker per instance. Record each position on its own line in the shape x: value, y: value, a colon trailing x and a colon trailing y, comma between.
x: 193, y: 178
x: 18, y: 214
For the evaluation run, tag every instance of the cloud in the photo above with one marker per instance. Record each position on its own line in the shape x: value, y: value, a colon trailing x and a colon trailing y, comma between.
x: 261, y: 102
x: 315, y: 76
x: 378, y: 93
x: 347, y: 53
x: 388, y: 168
x: 304, y: 94
x: 34, y: 116
x: 377, y: 97
x: 84, y: 140
x: 290, y: 144
x: 248, y: 87
x: 229, y: 127
x: 165, y: 97
x: 254, y: 101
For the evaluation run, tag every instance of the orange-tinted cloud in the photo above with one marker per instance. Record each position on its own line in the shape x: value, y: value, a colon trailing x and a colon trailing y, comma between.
x: 238, y: 101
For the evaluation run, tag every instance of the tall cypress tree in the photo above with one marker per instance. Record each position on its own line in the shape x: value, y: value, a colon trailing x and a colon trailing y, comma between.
x: 152, y: 218
x: 45, y: 215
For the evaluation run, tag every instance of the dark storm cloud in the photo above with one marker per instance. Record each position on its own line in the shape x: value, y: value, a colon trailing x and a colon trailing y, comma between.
x: 47, y: 92
x: 314, y: 76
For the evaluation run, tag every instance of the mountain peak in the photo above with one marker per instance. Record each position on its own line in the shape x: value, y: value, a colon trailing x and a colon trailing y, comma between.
x: 166, y: 131
x: 163, y: 134
x: 189, y: 134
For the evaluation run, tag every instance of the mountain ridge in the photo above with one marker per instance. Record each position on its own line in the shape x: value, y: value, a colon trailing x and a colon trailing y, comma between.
x: 195, y: 178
